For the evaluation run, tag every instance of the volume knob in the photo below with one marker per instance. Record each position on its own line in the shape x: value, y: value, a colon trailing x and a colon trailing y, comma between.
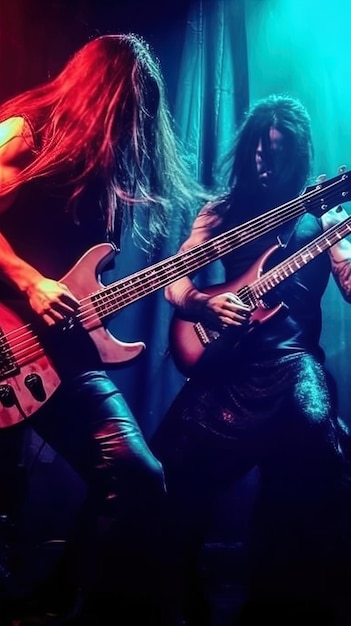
x: 35, y: 386
x: 7, y: 396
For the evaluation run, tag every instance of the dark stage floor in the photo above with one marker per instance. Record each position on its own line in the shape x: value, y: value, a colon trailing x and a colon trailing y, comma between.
x: 27, y: 600
x: 223, y: 566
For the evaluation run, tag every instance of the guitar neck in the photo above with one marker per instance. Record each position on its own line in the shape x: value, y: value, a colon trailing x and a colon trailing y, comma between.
x: 297, y: 260
x: 109, y: 300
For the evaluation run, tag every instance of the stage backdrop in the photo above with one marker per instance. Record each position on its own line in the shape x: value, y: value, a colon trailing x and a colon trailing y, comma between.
x: 218, y: 57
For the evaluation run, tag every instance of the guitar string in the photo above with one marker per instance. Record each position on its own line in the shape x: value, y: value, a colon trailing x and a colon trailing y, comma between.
x: 273, y: 277
x: 297, y: 203
x: 88, y: 311
x: 198, y: 257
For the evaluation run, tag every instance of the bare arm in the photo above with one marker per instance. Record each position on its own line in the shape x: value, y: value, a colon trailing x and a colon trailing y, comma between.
x: 340, y: 253
x: 48, y: 298
x: 219, y: 310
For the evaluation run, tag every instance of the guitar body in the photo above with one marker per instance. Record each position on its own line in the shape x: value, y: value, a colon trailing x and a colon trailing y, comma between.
x: 28, y: 372
x: 17, y: 402
x: 34, y: 358
x: 197, y: 348
x: 83, y: 279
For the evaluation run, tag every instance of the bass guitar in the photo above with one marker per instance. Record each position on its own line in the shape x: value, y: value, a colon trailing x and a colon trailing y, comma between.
x: 28, y: 369
x: 196, y: 348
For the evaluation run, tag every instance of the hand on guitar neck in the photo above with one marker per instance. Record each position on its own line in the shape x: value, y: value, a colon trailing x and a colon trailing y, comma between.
x: 240, y: 305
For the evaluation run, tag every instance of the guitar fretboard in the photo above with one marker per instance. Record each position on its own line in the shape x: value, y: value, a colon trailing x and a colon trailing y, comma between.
x: 123, y: 292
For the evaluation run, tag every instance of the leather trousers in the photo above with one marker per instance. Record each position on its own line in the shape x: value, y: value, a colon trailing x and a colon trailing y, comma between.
x: 89, y: 423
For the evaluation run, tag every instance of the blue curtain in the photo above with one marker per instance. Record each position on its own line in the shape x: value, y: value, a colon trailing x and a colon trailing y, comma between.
x: 210, y: 99
x: 218, y: 57
x: 237, y: 51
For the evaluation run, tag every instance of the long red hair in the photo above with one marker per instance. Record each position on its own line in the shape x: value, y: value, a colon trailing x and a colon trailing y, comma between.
x: 106, y: 116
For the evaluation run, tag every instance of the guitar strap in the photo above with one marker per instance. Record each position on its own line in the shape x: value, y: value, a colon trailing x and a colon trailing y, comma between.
x: 290, y: 234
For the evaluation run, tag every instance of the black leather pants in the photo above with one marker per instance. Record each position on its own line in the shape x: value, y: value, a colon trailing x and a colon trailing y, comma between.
x: 278, y: 416
x: 89, y: 423
x: 91, y: 426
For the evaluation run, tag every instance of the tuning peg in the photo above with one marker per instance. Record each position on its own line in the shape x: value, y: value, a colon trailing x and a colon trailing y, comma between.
x: 321, y: 178
x: 342, y: 169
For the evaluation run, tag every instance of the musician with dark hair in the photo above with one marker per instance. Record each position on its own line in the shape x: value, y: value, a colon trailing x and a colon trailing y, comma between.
x: 263, y: 400
x: 89, y: 153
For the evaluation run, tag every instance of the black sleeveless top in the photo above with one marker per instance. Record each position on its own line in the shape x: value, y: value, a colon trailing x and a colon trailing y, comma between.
x: 49, y: 234
x: 297, y: 327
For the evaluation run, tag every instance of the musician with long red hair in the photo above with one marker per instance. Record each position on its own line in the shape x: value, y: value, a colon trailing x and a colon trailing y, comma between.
x: 83, y: 157
x: 263, y: 397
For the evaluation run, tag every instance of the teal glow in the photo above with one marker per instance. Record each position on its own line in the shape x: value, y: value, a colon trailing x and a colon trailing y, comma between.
x: 237, y: 51
x: 300, y: 47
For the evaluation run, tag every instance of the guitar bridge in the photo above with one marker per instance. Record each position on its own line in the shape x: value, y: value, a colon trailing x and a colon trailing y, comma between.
x: 8, y: 364
x: 205, y: 335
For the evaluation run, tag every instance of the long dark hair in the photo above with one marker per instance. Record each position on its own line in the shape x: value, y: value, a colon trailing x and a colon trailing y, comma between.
x: 288, y: 115
x: 106, y: 116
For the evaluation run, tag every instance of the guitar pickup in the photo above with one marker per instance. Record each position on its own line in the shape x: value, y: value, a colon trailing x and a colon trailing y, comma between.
x: 8, y: 364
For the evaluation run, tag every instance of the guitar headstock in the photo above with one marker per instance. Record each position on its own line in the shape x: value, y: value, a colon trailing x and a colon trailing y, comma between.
x: 327, y: 193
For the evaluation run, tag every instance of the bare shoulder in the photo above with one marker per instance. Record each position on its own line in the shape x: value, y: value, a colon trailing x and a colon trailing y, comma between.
x: 16, y: 152
x: 209, y: 216
x: 16, y: 140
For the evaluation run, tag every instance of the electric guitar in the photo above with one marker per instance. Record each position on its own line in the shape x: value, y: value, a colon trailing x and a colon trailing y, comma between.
x: 29, y: 374
x: 196, y: 349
